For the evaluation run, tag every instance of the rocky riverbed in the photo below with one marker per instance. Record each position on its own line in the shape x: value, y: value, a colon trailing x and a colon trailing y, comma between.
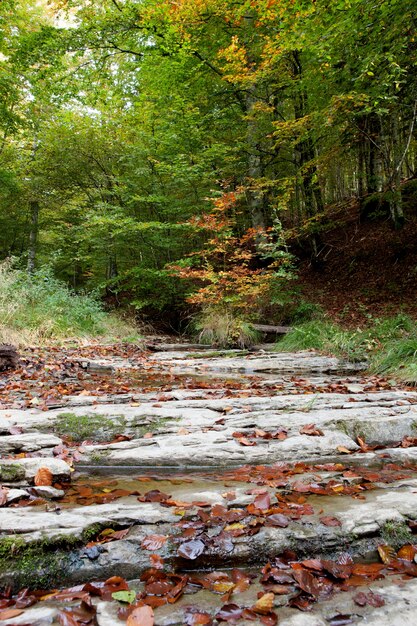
x: 218, y: 478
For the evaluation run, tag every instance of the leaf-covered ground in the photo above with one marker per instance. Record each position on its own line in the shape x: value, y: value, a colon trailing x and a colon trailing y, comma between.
x: 255, y: 544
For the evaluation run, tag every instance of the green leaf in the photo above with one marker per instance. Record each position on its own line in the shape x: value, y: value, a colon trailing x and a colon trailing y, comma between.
x: 124, y: 596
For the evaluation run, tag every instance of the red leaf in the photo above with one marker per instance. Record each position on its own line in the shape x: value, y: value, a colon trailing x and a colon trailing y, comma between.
x: 263, y: 501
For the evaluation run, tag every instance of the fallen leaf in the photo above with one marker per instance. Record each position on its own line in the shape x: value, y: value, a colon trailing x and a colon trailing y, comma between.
x: 312, y: 430
x: 191, y: 549
x: 229, y: 613
x: 264, y: 604
x: 277, y: 519
x: 370, y: 598
x: 142, y: 616
x: 124, y: 596
x: 387, y: 553
x: 244, y: 441
x: 329, y: 520
x: 44, y: 477
x: 154, y: 542
x: 407, y: 553
x: 9, y: 613
x: 344, y: 450
x: 3, y: 496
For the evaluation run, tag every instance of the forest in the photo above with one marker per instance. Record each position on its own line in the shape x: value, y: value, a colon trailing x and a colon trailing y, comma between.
x: 208, y: 321
x: 186, y: 160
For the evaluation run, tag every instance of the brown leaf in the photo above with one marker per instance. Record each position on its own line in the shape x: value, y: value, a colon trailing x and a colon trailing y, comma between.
x: 245, y: 442
x: 142, y: 616
x: 157, y: 561
x: 263, y: 501
x: 183, y: 431
x: 329, y: 520
x: 344, y: 450
x: 370, y: 598
x: 154, y: 542
x: 312, y: 430
x: 3, y: 496
x: 44, y: 477
x: 277, y: 519
x: 195, y: 617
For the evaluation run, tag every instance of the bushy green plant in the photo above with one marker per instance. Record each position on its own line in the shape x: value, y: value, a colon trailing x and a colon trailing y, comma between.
x: 37, y: 307
x: 223, y: 328
x: 389, y: 344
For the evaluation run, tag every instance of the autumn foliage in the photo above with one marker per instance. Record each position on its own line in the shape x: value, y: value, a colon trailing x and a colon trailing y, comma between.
x: 239, y: 271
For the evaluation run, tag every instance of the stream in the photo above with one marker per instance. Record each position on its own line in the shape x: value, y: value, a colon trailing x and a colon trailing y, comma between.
x: 216, y: 487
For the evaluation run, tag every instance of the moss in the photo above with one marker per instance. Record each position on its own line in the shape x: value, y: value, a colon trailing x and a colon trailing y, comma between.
x: 92, y: 532
x: 210, y: 354
x: 35, y: 565
x: 396, y: 534
x: 343, y: 427
x: 98, y: 456
x: 12, y: 472
x: 90, y: 426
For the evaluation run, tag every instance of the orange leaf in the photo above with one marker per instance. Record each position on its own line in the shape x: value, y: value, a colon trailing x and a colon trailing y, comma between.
x: 44, y: 477
x: 407, y: 553
x: 386, y: 553
x: 265, y: 604
x: 9, y: 613
x: 142, y: 616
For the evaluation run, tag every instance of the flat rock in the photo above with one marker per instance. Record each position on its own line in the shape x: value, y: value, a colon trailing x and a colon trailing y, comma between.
x: 30, y: 466
x: 35, y: 524
x: 302, y: 362
x: 28, y: 442
x: 13, y: 495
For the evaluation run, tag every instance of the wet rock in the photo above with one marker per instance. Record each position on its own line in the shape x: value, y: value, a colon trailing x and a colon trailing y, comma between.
x: 13, y: 495
x: 50, y: 493
x: 35, y: 615
x: 35, y: 524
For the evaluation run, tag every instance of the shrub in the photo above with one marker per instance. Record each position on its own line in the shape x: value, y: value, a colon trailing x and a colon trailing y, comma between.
x: 389, y: 344
x: 223, y: 329
x: 39, y: 307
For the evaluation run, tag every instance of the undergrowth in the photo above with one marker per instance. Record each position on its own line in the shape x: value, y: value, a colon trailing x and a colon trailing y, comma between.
x: 388, y: 344
x: 38, y: 308
x: 223, y: 328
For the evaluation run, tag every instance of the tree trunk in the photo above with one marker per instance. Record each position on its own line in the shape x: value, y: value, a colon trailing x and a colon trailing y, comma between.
x: 255, y: 198
x: 33, y: 236
x: 395, y: 200
x: 313, y: 198
x: 374, y: 169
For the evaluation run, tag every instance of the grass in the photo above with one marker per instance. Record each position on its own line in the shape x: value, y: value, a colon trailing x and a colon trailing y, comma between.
x: 224, y: 329
x: 39, y: 308
x: 388, y: 344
